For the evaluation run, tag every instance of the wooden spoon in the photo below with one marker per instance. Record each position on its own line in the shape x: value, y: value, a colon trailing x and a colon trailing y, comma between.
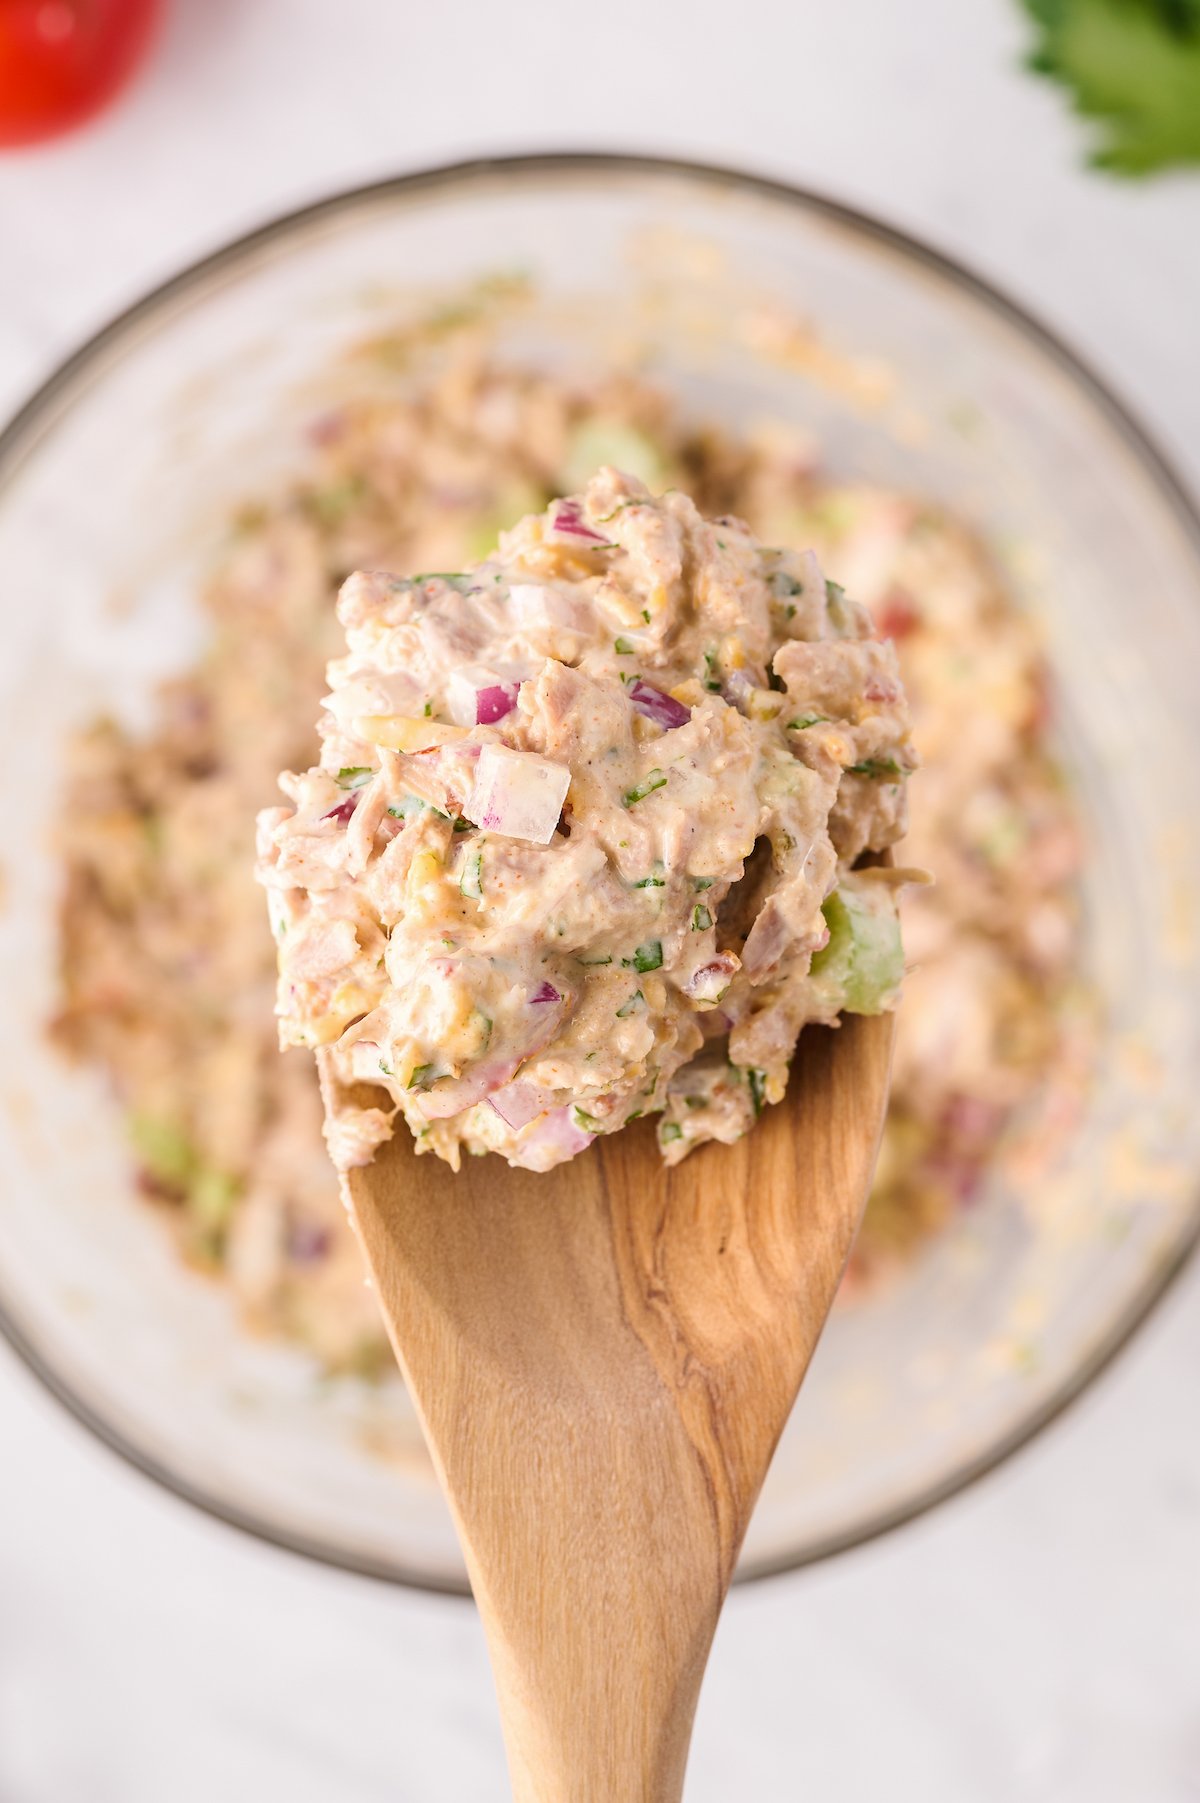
x: 603, y: 1360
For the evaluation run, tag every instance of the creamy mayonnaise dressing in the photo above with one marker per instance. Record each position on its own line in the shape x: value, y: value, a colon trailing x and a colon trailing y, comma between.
x: 580, y: 845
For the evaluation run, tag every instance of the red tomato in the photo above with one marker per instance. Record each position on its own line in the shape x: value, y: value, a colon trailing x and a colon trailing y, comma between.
x: 62, y: 60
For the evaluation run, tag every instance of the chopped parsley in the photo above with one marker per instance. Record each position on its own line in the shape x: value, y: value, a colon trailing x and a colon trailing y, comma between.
x: 875, y: 767
x: 412, y: 804
x: 471, y: 881
x: 647, y: 786
x: 648, y: 956
x: 602, y: 519
x: 656, y: 879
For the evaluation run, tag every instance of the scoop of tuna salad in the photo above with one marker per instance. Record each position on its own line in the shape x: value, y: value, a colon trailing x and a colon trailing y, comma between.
x: 585, y: 840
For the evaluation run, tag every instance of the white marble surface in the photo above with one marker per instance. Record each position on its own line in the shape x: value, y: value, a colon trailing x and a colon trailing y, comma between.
x: 1037, y: 1641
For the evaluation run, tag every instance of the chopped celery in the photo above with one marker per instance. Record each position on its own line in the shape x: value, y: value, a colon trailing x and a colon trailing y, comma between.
x: 163, y: 1148
x: 510, y: 505
x: 595, y: 442
x: 864, y: 960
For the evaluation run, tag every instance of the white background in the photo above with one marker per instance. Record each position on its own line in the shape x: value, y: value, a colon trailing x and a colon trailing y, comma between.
x: 1036, y: 1641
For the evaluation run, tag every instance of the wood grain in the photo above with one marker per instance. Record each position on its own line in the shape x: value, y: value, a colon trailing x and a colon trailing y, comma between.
x: 603, y: 1359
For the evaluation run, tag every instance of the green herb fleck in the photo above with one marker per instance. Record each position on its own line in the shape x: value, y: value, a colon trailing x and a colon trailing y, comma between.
x: 875, y: 767
x: 648, y: 956
x: 669, y: 1130
x: 353, y: 776
x: 605, y: 959
x: 703, y: 882
x: 647, y: 786
x: 602, y: 519
x: 758, y: 1088
x: 471, y: 881
x: 807, y: 720
x: 587, y: 1122
x: 701, y: 918
x: 422, y: 1076
x: 623, y: 648
x: 634, y: 1005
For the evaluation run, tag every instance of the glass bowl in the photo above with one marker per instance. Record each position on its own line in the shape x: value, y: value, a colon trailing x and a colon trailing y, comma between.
x: 114, y: 484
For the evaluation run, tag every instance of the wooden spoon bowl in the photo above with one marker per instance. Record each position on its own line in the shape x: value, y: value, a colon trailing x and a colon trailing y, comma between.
x: 603, y: 1360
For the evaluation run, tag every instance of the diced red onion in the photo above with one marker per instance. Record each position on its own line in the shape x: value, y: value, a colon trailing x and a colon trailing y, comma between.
x: 558, y: 1133
x: 766, y: 941
x: 519, y: 1103
x: 567, y: 519
x: 657, y: 706
x: 517, y: 793
x: 737, y: 685
x: 545, y: 992
x: 492, y: 703
x: 307, y: 1243
x: 343, y: 810
x: 454, y: 1094
x: 711, y: 980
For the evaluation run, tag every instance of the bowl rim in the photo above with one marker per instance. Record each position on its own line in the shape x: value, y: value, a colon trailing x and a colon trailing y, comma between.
x: 20, y: 435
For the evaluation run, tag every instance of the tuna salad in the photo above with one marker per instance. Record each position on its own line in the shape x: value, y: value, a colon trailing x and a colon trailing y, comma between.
x: 581, y: 845
x: 428, y: 448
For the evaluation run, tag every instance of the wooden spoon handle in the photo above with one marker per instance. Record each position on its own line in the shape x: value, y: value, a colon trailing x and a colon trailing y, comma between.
x: 603, y: 1361
x: 606, y: 1716
x: 599, y: 1516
